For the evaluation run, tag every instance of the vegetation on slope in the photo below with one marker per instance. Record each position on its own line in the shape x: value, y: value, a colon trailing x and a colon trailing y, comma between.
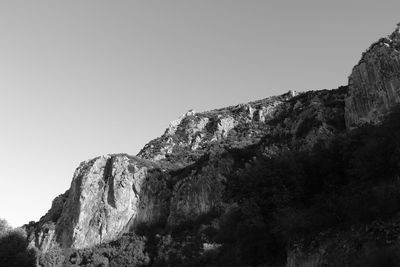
x: 14, y: 251
x: 274, y: 202
x: 352, y: 180
x: 347, y: 183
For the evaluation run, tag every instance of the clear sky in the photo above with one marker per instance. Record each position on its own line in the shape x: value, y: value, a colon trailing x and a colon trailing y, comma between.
x: 80, y: 79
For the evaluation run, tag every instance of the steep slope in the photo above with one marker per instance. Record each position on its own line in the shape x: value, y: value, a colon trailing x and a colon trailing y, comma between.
x: 253, y: 162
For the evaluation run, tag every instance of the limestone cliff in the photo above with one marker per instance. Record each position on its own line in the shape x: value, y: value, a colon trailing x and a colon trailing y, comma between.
x: 374, y: 84
x: 103, y: 199
x: 108, y: 195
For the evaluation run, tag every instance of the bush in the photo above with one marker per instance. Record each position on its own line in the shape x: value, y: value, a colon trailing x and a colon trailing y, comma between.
x: 53, y: 257
x: 352, y: 179
x: 4, y: 227
x: 129, y: 250
x: 14, y: 250
x: 386, y: 256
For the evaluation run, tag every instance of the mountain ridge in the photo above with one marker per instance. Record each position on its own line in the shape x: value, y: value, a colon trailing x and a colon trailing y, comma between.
x: 184, y: 175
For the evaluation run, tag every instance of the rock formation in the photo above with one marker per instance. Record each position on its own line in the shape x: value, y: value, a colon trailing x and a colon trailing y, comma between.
x: 374, y: 84
x: 182, y: 175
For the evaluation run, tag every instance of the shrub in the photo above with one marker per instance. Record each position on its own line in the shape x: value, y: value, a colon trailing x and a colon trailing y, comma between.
x: 14, y: 250
x: 53, y: 257
x: 4, y: 227
x: 129, y: 250
x: 350, y: 180
x: 386, y: 256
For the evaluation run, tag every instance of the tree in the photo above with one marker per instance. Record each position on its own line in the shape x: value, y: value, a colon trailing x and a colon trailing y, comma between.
x: 14, y: 251
x: 4, y: 226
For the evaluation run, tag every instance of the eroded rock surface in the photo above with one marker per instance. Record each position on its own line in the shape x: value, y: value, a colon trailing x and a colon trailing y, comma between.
x: 103, y: 198
x: 195, y: 134
x: 374, y: 84
x: 102, y: 203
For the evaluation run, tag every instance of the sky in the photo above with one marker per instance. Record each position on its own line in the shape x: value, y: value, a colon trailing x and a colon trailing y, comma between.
x: 79, y: 79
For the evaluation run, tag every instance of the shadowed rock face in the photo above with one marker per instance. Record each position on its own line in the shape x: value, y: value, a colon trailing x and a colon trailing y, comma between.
x: 374, y: 84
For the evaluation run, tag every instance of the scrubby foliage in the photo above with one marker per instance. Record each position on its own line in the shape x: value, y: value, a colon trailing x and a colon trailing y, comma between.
x: 54, y: 256
x: 126, y: 251
x: 352, y: 180
x: 14, y: 249
x: 4, y: 226
x: 386, y: 256
x: 293, y: 195
x: 272, y: 200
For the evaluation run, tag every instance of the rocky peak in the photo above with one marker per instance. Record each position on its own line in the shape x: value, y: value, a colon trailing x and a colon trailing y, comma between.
x: 173, y: 126
x: 395, y: 37
x: 374, y: 84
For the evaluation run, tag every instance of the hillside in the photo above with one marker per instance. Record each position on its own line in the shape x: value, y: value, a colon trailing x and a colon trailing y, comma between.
x: 300, y: 179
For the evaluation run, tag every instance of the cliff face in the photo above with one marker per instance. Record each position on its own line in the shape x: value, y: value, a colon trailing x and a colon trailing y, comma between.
x: 103, y: 198
x: 108, y: 195
x: 374, y: 84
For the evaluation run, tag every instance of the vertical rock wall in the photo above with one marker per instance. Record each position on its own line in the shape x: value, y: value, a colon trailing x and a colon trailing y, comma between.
x: 374, y: 84
x: 103, y: 198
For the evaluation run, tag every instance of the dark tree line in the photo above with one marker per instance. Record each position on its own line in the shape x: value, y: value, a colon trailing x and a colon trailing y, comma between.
x: 14, y: 249
x: 354, y: 179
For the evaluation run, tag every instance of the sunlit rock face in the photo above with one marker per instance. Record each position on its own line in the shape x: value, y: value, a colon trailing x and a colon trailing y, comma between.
x: 103, y: 198
x: 374, y: 84
x: 109, y: 195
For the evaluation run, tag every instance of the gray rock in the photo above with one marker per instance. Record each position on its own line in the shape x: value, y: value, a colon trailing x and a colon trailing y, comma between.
x: 374, y: 84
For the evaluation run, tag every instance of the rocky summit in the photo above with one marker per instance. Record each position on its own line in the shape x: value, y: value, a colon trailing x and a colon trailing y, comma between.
x: 176, y: 198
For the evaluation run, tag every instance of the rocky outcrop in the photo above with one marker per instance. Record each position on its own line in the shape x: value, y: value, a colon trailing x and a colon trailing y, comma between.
x: 108, y: 195
x: 195, y: 134
x: 374, y: 84
x: 103, y: 198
